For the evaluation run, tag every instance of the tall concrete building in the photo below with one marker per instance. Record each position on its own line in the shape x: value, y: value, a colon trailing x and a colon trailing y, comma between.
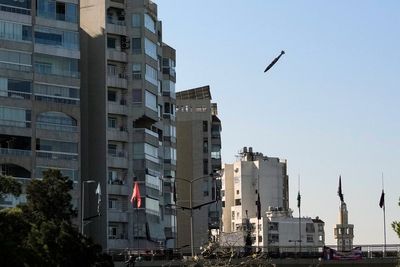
x: 39, y: 91
x: 252, y: 175
x: 128, y: 114
x: 199, y: 160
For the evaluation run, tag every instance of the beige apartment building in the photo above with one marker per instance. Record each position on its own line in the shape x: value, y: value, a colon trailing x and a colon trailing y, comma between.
x: 39, y: 91
x: 128, y: 118
x: 199, y: 160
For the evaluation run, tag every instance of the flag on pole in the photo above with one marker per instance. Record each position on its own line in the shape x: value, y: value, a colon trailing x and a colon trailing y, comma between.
x: 298, y: 199
x: 136, y: 195
x: 340, y: 194
x: 258, y: 203
x: 98, y: 193
x: 382, y: 200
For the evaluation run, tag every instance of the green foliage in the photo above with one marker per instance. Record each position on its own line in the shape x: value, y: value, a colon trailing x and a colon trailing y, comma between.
x: 8, y: 185
x: 40, y: 232
x: 396, y: 225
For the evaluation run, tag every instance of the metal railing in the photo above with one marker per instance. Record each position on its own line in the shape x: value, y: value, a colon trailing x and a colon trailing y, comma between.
x: 15, y: 152
x: 57, y: 127
x: 23, y: 124
x: 13, y: 9
x: 57, y: 155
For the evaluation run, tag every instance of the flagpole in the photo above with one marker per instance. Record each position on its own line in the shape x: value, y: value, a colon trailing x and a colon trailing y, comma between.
x: 384, y: 218
x: 299, y: 204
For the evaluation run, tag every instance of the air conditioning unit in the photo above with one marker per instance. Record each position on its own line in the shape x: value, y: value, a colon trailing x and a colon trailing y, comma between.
x: 124, y: 42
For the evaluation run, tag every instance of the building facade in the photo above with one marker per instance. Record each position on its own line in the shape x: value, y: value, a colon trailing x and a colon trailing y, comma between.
x: 129, y: 123
x: 199, y: 160
x: 252, y: 175
x: 39, y: 91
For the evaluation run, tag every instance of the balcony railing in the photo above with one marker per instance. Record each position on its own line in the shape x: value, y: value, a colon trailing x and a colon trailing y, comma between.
x: 118, y: 153
x: 15, y: 94
x: 15, y: 66
x: 57, y: 99
x: 46, y: 69
x: 23, y: 124
x: 57, y: 155
x: 15, y: 152
x: 13, y: 9
x: 57, y: 127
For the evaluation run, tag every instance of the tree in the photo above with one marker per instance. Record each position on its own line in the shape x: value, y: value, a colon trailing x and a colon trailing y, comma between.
x: 396, y: 225
x: 8, y: 185
x: 41, y: 232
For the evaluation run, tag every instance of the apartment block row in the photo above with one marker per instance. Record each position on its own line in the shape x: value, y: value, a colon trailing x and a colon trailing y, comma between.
x: 88, y: 87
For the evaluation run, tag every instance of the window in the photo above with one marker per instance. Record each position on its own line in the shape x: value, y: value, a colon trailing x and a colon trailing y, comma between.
x: 15, y: 60
x: 136, y: 71
x: 149, y: 23
x: 136, y: 20
x: 112, y: 150
x: 233, y: 215
x: 57, y: 121
x: 310, y: 228
x: 51, y: 9
x: 15, y: 88
x: 150, y: 48
x: 237, y: 192
x: 14, y: 31
x: 111, y: 42
x: 205, y: 145
x: 56, y: 93
x: 112, y: 96
x: 273, y: 226
x: 238, y: 202
x: 136, y: 45
x: 112, y: 203
x: 65, y: 39
x: 151, y: 75
x: 53, y: 149
x: 61, y: 66
x: 137, y: 95
x: 273, y: 238
x: 310, y: 239
x: 205, y: 126
x: 15, y: 117
x: 112, y: 122
x: 150, y: 100
x: 205, y: 166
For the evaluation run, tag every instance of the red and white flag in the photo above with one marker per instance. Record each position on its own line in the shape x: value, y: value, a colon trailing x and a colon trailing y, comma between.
x: 136, y: 195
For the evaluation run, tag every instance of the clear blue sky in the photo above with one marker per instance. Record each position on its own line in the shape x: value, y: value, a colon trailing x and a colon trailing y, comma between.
x: 330, y: 106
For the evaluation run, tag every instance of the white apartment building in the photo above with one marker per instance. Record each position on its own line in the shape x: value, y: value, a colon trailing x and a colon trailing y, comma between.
x: 243, y: 180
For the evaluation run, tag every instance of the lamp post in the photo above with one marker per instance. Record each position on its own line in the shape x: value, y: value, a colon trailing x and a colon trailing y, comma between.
x: 83, y: 202
x: 191, y: 207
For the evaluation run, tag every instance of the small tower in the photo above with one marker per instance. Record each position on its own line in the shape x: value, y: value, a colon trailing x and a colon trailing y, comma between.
x: 343, y: 230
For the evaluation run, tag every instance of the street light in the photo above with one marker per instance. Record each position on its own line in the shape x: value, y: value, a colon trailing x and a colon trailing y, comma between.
x: 191, y: 207
x: 83, y: 201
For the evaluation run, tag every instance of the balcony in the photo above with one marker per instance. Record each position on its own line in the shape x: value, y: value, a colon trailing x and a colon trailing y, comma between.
x: 117, y: 108
x: 118, y: 159
x: 15, y: 152
x: 118, y: 189
x: 143, y: 135
x: 14, y: 9
x: 56, y: 155
x: 115, y: 215
x: 118, y: 81
x: 116, y: 26
x: 115, y: 55
x: 117, y: 134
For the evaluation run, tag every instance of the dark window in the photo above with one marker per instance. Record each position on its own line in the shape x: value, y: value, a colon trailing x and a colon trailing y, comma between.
x: 205, y: 166
x: 205, y: 126
x: 112, y: 96
x: 136, y: 45
x: 137, y: 95
x: 111, y: 42
x: 223, y: 204
x: 205, y: 145
x: 60, y: 11
x: 238, y: 202
x: 48, y: 38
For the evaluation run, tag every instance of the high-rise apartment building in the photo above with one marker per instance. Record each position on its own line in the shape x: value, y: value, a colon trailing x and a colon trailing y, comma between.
x: 199, y: 160
x: 39, y: 91
x: 128, y: 114
x: 252, y: 175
